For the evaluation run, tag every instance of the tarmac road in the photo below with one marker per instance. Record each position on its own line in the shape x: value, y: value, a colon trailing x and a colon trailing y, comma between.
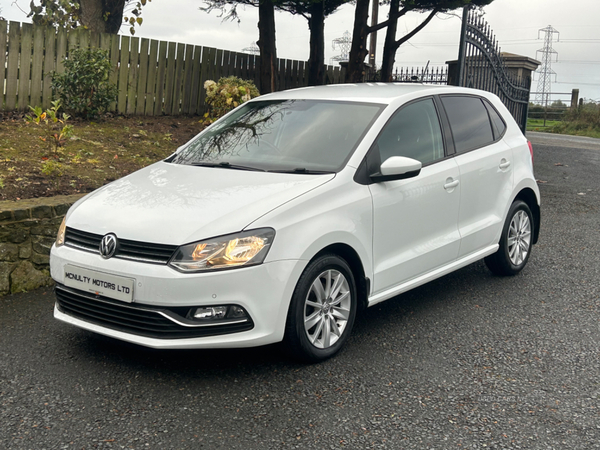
x: 468, y: 361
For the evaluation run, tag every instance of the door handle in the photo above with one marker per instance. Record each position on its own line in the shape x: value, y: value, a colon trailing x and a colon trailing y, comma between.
x: 504, y: 164
x: 451, y: 184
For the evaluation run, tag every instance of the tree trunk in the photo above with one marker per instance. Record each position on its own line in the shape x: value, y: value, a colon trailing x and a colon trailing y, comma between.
x: 114, y: 19
x: 103, y: 16
x: 389, y: 49
x: 358, y: 51
x: 266, y: 43
x: 92, y: 15
x: 392, y: 45
x: 316, y: 60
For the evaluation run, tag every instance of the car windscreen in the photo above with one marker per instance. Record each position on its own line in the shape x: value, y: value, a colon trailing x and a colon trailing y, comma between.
x: 283, y: 135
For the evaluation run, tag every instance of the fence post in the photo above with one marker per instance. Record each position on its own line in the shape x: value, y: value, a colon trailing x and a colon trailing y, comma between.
x: 3, y: 42
x: 574, y: 98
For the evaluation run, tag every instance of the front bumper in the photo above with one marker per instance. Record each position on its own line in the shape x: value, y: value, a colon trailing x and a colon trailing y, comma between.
x: 264, y: 291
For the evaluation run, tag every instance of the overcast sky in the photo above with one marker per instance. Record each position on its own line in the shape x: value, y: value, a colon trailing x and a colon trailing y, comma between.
x: 515, y: 23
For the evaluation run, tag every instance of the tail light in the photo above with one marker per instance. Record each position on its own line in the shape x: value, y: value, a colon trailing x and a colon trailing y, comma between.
x: 530, y: 150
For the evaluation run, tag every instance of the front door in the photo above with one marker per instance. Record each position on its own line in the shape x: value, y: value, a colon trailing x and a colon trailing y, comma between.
x: 415, y: 227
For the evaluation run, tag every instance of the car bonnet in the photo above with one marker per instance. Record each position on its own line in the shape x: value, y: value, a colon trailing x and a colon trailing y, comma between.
x: 177, y: 204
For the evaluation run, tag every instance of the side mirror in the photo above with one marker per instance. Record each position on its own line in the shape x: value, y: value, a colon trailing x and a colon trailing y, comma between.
x: 397, y: 168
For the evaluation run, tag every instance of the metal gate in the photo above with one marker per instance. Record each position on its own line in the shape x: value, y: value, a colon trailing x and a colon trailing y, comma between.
x: 481, y: 66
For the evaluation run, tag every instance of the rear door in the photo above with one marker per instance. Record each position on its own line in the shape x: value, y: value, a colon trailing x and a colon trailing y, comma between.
x: 485, y: 163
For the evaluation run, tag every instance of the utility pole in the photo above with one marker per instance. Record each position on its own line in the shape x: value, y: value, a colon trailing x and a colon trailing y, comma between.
x: 545, y: 71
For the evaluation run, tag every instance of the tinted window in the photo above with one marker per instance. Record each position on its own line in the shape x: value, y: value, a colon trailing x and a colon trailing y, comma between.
x: 415, y: 132
x: 498, y: 124
x: 283, y: 135
x: 469, y: 121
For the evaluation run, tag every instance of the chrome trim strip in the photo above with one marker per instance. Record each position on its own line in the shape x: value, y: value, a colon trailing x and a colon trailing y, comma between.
x: 139, y: 259
x: 81, y: 247
x: 201, y: 325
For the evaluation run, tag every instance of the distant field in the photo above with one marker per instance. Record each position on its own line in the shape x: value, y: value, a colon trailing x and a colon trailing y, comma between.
x: 538, y: 124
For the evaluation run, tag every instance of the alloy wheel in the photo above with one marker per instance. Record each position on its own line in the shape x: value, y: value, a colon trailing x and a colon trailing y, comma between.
x: 519, y: 238
x: 327, y: 308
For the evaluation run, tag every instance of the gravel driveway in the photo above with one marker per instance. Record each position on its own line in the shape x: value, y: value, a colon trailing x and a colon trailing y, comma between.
x: 468, y: 361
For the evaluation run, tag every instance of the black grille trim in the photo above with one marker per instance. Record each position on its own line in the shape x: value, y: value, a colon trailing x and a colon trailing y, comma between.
x: 139, y: 320
x: 132, y: 250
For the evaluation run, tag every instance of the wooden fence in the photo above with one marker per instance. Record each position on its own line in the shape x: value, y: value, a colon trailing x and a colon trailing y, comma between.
x: 153, y: 77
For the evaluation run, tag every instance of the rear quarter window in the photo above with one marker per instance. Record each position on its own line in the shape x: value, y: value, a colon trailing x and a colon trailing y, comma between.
x: 469, y: 121
x: 498, y: 124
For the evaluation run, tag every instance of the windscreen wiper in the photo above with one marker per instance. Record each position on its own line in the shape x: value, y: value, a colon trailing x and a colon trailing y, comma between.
x: 226, y: 165
x: 302, y: 170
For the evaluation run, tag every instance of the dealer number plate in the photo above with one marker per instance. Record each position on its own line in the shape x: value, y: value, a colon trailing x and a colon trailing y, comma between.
x: 100, y: 283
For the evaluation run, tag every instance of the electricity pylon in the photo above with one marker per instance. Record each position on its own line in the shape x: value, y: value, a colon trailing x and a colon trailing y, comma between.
x: 545, y: 71
x: 253, y: 49
x: 344, y: 43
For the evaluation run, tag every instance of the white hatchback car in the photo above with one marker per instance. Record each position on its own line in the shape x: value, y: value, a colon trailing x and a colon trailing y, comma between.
x: 284, y: 218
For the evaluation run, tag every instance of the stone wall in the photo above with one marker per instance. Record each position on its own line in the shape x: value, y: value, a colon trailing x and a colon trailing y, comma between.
x: 27, y: 231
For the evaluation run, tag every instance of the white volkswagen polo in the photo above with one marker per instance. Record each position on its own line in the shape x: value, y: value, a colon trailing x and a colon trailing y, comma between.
x: 283, y: 219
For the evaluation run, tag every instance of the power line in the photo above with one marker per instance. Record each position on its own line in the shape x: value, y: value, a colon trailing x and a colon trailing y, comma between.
x: 577, y: 83
x: 570, y: 61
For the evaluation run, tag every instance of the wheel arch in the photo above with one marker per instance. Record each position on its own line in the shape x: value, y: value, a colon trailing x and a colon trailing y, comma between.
x: 350, y: 255
x: 528, y: 196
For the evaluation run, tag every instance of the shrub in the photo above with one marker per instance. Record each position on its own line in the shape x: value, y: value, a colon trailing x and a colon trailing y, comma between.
x: 583, y: 121
x: 53, y: 169
x: 54, y: 127
x: 226, y: 94
x: 84, y: 87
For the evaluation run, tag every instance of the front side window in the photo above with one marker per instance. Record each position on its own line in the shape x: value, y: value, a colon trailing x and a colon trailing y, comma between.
x: 414, y: 132
x: 283, y: 135
x: 469, y: 121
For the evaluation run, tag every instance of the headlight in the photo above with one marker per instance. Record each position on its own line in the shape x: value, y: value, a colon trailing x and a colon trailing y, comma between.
x: 225, y: 252
x: 60, y: 237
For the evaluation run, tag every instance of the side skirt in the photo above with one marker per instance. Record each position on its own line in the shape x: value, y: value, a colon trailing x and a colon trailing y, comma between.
x: 429, y: 276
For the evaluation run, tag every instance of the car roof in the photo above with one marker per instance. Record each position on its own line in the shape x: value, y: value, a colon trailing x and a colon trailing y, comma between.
x: 383, y: 93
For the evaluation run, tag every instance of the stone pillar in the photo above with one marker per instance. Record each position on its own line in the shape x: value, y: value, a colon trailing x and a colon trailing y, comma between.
x: 517, y: 65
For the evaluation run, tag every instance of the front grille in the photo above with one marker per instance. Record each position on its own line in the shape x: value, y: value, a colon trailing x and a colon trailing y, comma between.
x: 126, y: 249
x: 139, y: 320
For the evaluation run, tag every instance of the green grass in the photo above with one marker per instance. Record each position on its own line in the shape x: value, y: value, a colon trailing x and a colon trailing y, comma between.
x: 538, y: 124
x: 577, y: 129
x: 582, y: 121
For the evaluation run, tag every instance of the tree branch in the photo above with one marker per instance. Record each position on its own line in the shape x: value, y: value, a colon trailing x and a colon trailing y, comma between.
x: 392, y: 17
x: 423, y: 24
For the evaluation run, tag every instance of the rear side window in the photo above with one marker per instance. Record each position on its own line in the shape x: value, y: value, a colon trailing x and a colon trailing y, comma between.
x: 470, y: 123
x: 498, y: 125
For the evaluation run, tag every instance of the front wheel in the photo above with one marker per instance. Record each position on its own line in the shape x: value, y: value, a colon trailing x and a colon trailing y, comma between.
x: 322, y: 309
x: 515, y: 243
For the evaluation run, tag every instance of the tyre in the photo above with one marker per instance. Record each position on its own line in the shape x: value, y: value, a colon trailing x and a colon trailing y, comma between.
x: 322, y: 310
x: 515, y: 243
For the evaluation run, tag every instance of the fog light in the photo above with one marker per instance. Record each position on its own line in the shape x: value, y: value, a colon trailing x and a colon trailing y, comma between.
x: 210, y: 313
x: 216, y: 312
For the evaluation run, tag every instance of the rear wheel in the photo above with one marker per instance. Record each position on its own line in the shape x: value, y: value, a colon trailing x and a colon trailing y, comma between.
x: 515, y: 243
x: 322, y: 310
